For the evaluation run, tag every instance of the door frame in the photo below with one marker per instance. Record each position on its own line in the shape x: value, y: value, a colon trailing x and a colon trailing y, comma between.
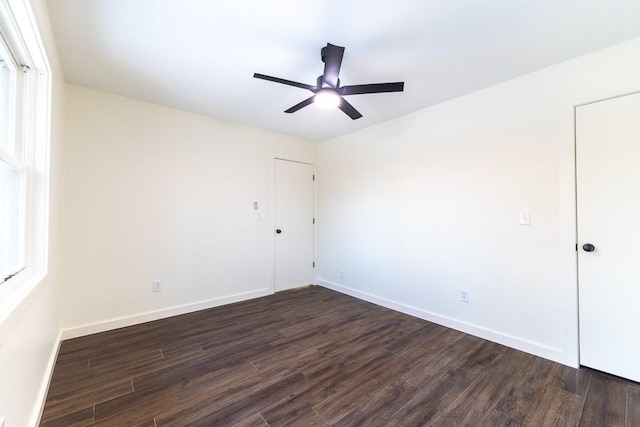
x: 272, y: 211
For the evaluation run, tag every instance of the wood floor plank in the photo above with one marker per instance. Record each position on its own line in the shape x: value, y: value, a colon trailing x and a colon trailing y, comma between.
x: 233, y: 408
x: 633, y: 404
x: 339, y: 369
x: 296, y: 404
x: 403, y: 341
x: 346, y: 400
x: 446, y: 357
x: 226, y: 348
x: 255, y: 420
x: 331, y: 335
x: 293, y: 357
x: 307, y: 419
x: 521, y: 400
x: 378, y: 409
x: 495, y: 418
x: 314, y: 357
x: 92, y: 381
x: 160, y: 397
x: 82, y: 417
x: 605, y: 403
x: 436, y: 398
x: 59, y: 405
x: 482, y: 396
x: 572, y: 380
x: 125, y: 360
x: 202, y: 368
x: 91, y: 344
x: 315, y: 323
x: 200, y: 330
x: 427, y: 405
x: 83, y: 355
x: 558, y: 408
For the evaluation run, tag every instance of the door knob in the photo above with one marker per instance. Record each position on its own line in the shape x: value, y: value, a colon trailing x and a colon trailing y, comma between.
x: 588, y: 247
x: 278, y: 231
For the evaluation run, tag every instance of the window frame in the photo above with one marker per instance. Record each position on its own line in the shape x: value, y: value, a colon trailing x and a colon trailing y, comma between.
x: 14, y: 154
x: 30, y: 155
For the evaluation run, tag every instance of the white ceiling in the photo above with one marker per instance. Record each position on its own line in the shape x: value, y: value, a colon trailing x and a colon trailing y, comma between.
x: 200, y: 55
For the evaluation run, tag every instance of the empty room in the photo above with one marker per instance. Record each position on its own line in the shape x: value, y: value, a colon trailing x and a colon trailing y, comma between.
x: 285, y: 213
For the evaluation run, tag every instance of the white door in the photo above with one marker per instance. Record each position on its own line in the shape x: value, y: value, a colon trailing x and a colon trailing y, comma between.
x: 608, y: 202
x: 293, y: 224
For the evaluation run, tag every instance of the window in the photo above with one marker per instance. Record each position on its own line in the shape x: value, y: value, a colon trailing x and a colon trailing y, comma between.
x: 22, y: 157
x: 12, y: 220
x: 13, y: 173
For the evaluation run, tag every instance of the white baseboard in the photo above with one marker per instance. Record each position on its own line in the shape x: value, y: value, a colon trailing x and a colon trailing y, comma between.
x: 536, y: 349
x: 36, y: 415
x: 135, y: 319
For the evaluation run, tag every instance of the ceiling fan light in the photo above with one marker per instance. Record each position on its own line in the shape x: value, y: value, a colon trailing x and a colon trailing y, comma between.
x: 327, y: 98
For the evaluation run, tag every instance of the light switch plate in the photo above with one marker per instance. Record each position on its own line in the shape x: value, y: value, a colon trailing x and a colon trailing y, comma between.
x: 523, y: 218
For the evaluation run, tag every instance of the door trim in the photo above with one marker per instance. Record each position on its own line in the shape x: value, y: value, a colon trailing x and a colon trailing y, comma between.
x: 602, y: 100
x: 272, y: 211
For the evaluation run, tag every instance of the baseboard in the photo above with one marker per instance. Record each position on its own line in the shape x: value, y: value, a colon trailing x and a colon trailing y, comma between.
x: 150, y: 316
x: 536, y: 349
x: 36, y: 415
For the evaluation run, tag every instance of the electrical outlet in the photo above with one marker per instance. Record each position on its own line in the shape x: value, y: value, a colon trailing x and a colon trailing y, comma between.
x: 342, y: 274
x: 157, y: 287
x: 464, y: 295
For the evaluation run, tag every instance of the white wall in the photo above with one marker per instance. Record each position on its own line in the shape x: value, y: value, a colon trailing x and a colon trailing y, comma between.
x: 416, y: 208
x: 154, y: 193
x: 29, y: 335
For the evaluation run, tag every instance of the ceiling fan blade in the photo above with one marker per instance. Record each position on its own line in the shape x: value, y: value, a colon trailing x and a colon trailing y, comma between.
x: 349, y: 109
x: 372, y: 88
x: 332, y: 58
x: 285, y: 82
x: 300, y: 105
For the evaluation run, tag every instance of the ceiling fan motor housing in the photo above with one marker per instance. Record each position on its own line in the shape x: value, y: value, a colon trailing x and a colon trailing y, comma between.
x: 320, y: 83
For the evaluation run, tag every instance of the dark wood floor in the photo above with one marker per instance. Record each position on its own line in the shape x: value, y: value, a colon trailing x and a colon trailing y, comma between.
x: 313, y: 357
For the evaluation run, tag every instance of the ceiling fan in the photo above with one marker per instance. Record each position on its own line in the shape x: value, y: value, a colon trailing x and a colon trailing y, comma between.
x: 327, y: 92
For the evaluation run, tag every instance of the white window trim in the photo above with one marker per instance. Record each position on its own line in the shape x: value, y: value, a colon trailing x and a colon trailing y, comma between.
x: 19, y: 15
